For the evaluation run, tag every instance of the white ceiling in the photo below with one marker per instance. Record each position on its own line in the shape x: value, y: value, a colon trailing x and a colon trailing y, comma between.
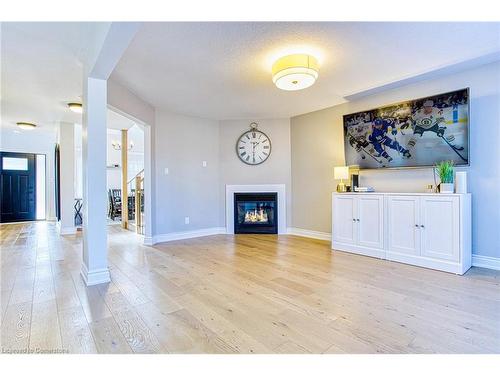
x: 222, y: 70
x: 41, y: 71
x: 116, y: 121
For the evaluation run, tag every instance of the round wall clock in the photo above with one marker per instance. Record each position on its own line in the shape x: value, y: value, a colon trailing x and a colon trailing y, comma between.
x: 253, y: 147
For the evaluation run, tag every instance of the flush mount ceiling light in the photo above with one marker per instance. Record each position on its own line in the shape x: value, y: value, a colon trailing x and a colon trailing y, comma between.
x: 26, y: 125
x: 75, y: 107
x: 295, y: 72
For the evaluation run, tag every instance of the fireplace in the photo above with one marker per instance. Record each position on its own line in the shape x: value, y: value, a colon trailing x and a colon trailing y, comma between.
x: 256, y: 213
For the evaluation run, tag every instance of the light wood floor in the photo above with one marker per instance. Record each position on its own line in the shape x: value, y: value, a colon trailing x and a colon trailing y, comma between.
x: 236, y: 294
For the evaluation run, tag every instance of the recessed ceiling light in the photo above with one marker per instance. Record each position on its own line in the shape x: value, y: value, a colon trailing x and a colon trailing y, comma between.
x: 75, y: 107
x: 26, y: 125
x: 295, y: 72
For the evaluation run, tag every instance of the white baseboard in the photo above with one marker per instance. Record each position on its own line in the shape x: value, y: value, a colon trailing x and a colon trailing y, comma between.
x: 486, y: 262
x: 174, y: 236
x: 95, y: 277
x: 148, y: 241
x: 310, y: 234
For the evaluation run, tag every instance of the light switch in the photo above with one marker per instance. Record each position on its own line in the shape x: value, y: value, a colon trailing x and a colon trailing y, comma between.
x: 204, y: 163
x: 166, y: 170
x: 186, y: 220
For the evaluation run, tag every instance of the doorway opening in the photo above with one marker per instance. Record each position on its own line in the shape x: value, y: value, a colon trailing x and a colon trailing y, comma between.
x: 125, y: 172
x: 138, y: 172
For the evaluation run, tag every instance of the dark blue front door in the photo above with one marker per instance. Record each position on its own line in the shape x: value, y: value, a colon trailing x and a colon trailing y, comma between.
x: 17, y: 187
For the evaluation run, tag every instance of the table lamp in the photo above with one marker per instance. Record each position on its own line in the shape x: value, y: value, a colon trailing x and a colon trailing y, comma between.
x: 341, y: 173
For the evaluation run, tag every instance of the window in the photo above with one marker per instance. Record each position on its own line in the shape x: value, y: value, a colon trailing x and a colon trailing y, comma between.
x: 40, y: 187
x: 15, y: 164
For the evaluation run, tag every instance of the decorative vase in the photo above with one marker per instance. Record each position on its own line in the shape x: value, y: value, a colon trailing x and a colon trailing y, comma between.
x: 446, y: 188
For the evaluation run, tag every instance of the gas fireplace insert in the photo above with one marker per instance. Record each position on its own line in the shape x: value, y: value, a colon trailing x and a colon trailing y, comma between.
x: 256, y: 213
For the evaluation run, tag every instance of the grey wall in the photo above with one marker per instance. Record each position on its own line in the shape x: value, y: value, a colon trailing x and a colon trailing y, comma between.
x: 275, y: 170
x: 122, y: 99
x: 317, y: 146
x: 181, y: 144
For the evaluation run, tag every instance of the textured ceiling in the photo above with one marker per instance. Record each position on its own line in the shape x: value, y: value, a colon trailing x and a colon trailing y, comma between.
x: 116, y: 121
x: 222, y: 70
x: 42, y: 71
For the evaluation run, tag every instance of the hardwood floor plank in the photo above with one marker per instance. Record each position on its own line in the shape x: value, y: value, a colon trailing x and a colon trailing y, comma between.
x: 23, y: 286
x: 181, y: 332
x: 91, y: 301
x: 45, y: 334
x: 236, y: 294
x: 138, y: 335
x: 75, y: 332
x: 16, y: 327
x: 108, y: 337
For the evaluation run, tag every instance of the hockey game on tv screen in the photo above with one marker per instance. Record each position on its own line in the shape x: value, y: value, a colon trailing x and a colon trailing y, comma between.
x: 413, y: 133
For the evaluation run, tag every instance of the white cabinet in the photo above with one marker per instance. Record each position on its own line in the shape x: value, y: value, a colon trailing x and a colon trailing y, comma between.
x: 440, y: 227
x: 403, y: 228
x: 358, y: 223
x: 345, y: 221
x: 370, y: 221
x: 428, y: 230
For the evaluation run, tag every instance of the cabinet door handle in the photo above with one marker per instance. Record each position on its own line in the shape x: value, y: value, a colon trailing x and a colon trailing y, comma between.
x: 422, y: 226
x: 357, y: 220
x: 416, y: 225
x: 354, y: 220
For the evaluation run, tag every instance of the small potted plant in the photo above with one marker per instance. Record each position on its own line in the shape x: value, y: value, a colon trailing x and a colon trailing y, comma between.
x: 445, y: 172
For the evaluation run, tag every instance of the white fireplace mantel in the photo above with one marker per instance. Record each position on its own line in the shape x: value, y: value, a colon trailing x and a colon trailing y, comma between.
x: 267, y: 188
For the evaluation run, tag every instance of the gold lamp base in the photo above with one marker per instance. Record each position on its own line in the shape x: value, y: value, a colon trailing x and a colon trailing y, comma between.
x: 341, y: 188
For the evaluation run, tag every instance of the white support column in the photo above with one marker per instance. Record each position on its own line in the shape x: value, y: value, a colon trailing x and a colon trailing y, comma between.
x: 110, y: 42
x: 67, y: 186
x: 148, y: 186
x: 95, y: 254
x: 124, y: 177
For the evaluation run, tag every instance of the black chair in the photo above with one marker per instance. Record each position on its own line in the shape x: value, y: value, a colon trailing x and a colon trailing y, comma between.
x: 131, y: 207
x: 115, y: 203
x: 78, y: 211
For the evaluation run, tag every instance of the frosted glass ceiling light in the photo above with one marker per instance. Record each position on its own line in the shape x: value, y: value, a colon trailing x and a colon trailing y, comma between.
x: 295, y: 72
x: 26, y: 125
x: 75, y: 107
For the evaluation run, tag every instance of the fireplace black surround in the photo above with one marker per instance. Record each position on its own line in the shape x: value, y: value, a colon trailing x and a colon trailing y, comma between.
x: 256, y: 213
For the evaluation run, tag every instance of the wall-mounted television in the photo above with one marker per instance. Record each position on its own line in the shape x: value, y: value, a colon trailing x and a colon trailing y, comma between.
x: 414, y: 133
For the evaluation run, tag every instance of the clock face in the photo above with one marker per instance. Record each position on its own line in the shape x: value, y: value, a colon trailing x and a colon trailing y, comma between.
x: 253, y: 147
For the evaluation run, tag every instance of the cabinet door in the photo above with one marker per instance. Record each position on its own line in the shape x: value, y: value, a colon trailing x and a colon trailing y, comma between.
x: 370, y: 220
x: 440, y: 227
x: 403, y: 224
x: 344, y: 224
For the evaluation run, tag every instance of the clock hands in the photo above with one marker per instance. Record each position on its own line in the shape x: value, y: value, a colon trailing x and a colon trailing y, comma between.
x: 253, y: 147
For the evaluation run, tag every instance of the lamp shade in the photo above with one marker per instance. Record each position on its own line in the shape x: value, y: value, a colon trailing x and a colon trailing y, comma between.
x: 295, y: 72
x: 341, y: 173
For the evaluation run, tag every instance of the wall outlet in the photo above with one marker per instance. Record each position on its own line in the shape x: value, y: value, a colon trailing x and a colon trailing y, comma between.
x: 166, y: 171
x: 186, y: 220
x: 204, y: 163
